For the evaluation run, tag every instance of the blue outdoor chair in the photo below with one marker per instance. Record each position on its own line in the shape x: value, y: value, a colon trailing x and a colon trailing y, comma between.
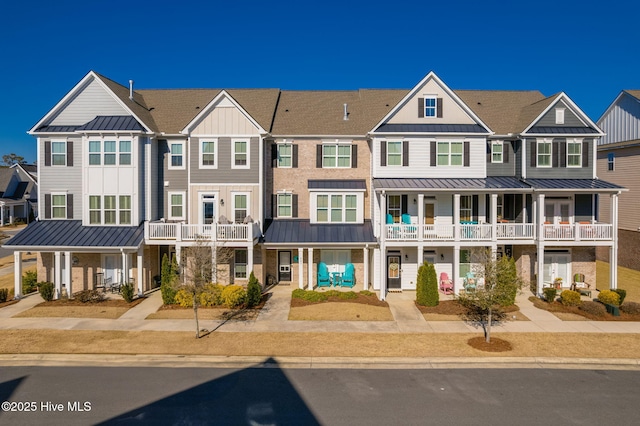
x: 324, y: 280
x: 349, y: 276
x: 470, y: 282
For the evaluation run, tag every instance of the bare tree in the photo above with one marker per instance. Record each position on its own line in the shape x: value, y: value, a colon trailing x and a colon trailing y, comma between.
x: 11, y: 159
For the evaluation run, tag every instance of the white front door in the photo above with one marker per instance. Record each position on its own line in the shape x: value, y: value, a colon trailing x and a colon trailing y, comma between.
x: 208, y: 207
x: 557, y: 265
x: 558, y: 211
x: 112, y: 268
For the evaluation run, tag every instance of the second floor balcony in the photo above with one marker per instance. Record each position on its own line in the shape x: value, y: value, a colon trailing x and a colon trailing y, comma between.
x: 216, y: 232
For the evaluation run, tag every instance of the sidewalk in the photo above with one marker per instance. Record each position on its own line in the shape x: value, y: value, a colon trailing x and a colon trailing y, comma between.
x: 274, y: 318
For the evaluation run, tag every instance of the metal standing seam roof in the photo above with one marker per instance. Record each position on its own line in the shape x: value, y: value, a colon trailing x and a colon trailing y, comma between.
x: 431, y: 128
x: 301, y: 231
x: 492, y: 182
x: 572, y: 184
x: 57, y: 129
x: 337, y: 184
x: 112, y: 122
x: 561, y: 130
x: 71, y: 233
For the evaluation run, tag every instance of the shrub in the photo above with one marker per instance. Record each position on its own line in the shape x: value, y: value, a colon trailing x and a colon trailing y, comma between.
x: 632, y: 308
x: 184, y: 298
x: 609, y: 297
x: 427, y: 286
x: 298, y: 293
x: 254, y: 291
x: 622, y: 293
x: 312, y: 296
x: 89, y: 296
x: 168, y: 280
x: 594, y: 308
x: 570, y: 298
x: 549, y: 294
x: 4, y: 294
x: 127, y: 292
x: 233, y: 296
x: 211, y: 296
x: 507, y: 275
x: 47, y: 290
x: 367, y: 293
x: 347, y: 295
x: 29, y: 282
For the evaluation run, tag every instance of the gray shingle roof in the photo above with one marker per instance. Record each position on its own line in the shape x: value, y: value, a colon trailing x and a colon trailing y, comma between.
x: 337, y: 184
x: 71, y: 233
x: 493, y: 182
x: 112, y: 122
x: 431, y: 128
x: 300, y: 231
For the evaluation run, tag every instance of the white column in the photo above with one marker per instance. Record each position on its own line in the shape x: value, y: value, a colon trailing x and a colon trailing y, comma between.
x: 382, y: 260
x: 2, y: 214
x: 249, y: 260
x: 494, y: 217
x: 524, y: 208
x: 57, y: 273
x: 310, y: 269
x: 456, y: 217
x: 534, y: 215
x: 540, y: 271
x: 455, y: 267
x: 420, y: 217
x: 540, y: 217
x: 613, y: 252
x: 124, y: 276
x: 300, y: 268
x: 17, y: 274
x: 11, y: 214
x: 67, y: 272
x: 140, y: 269
x: 365, y: 254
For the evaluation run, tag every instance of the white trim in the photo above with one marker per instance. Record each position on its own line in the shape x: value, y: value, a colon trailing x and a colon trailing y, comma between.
x: 278, y: 194
x: 449, y: 154
x: 574, y: 108
x: 560, y: 115
x: 215, y: 153
x: 544, y: 141
x: 290, y: 145
x: 247, y: 141
x: 313, y: 206
x: 575, y: 141
x: 66, y: 213
x: 171, y: 154
x: 401, y: 142
x: 233, y: 204
x: 212, y: 196
x: 337, y: 143
x: 435, y: 106
x: 246, y: 271
x: 211, y: 105
x: 170, y: 205
x: 501, y: 143
x: 51, y: 153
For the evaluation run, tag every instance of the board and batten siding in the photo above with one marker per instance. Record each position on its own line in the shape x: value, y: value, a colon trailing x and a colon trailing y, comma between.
x: 419, y: 150
x: 558, y: 171
x: 225, y: 173
x: 626, y: 174
x: 225, y: 120
x: 91, y: 101
x: 570, y: 118
x: 66, y: 179
x: 622, y: 122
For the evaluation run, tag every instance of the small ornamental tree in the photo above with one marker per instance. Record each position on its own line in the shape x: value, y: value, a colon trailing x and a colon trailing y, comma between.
x: 421, y: 285
x: 168, y: 280
x: 433, y: 298
x: 254, y: 292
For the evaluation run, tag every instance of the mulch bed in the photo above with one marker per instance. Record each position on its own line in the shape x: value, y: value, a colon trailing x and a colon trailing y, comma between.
x: 495, y: 345
x: 114, y: 303
x: 557, y: 307
x: 371, y: 300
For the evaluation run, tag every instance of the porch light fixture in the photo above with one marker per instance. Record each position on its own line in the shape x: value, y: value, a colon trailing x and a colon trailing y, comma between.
x: 222, y: 202
x: 415, y: 201
x: 441, y: 256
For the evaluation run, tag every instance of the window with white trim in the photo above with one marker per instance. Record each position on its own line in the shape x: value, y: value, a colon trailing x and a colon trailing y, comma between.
x: 338, y: 207
x: 95, y: 153
x: 110, y: 210
x: 240, y: 207
x: 285, y: 204
x: 285, y: 154
x: 103, y: 210
x: 336, y: 155
x: 176, y: 205
x: 394, y: 153
x: 58, y: 153
x: 611, y: 161
x: 240, y: 264
x: 176, y: 150
x: 574, y: 153
x: 208, y: 154
x: 450, y: 153
x: 394, y: 207
x: 430, y: 106
x: 110, y: 152
x: 544, y: 153
x: 466, y: 208
x: 240, y: 153
x: 124, y: 150
x: 58, y: 206
x: 496, y: 152
x: 95, y: 211
x: 124, y: 209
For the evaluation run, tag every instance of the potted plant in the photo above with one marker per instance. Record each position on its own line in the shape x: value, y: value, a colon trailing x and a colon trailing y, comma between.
x: 557, y: 282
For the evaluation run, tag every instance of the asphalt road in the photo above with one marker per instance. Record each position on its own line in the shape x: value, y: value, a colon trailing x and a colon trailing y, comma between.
x: 272, y: 396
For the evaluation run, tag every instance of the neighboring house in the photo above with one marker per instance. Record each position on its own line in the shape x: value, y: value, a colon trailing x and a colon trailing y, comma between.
x: 18, y: 193
x: 285, y: 182
x: 619, y: 162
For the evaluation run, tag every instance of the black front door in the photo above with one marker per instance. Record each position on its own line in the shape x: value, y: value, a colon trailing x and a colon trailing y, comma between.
x: 393, y: 271
x: 284, y: 266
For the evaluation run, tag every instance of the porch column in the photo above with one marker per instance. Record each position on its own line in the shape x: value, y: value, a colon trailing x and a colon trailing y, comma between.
x: 11, y: 214
x: 534, y: 214
x: 494, y: 217
x: 67, y: 272
x: 140, y: 270
x: 613, y: 251
x: 456, y: 217
x: 524, y: 208
x: 383, y: 216
x: 57, y: 273
x: 382, y: 271
x: 124, y: 276
x: 365, y: 254
x: 540, y: 217
x: 420, y: 217
x: 300, y: 268
x: 17, y: 274
x: 249, y: 260
x: 455, y: 267
x: 310, y: 269
x: 2, y: 214
x: 540, y: 271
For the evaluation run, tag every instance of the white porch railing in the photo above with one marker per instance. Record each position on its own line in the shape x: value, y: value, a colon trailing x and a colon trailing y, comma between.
x: 211, y: 232
x: 578, y: 232
x: 161, y: 231
x: 197, y: 232
x: 515, y: 231
x: 475, y: 232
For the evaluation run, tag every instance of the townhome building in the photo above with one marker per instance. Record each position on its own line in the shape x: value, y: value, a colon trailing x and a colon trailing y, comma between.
x: 619, y: 162
x: 315, y: 188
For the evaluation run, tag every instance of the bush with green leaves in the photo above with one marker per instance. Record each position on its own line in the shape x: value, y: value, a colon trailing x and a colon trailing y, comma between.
x: 4, y: 294
x: 348, y: 295
x: 127, y: 292
x: 550, y: 294
x: 254, y: 291
x: 310, y: 295
x: 89, y: 296
x: 427, y: 286
x: 593, y: 308
x: 570, y: 298
x: 507, y: 274
x: 632, y: 308
x: 29, y: 282
x: 234, y: 296
x: 609, y: 297
x: 211, y: 295
x: 184, y: 298
x: 622, y: 293
x: 47, y: 290
x: 168, y: 280
x: 367, y: 293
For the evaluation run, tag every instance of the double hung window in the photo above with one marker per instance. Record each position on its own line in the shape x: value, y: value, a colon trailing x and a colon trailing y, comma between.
x: 450, y: 153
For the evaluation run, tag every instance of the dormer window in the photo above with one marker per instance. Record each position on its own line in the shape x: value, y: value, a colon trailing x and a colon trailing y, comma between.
x: 430, y: 106
x: 559, y: 115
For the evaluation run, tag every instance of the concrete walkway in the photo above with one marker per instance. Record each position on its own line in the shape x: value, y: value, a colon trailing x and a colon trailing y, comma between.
x: 274, y: 318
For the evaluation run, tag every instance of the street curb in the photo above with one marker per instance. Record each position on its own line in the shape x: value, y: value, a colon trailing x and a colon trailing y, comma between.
x: 200, y: 361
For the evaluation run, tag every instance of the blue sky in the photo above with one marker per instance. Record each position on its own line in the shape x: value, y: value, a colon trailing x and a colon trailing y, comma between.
x: 586, y: 49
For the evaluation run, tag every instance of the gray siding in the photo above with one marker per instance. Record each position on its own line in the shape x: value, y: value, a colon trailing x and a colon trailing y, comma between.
x: 558, y: 172
x: 63, y: 179
x: 504, y: 168
x: 224, y: 173
x: 155, y: 185
x: 570, y: 118
x: 622, y: 122
x: 178, y: 180
x: 142, y: 191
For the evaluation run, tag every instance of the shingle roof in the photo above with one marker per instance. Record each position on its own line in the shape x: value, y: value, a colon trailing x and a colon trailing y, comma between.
x: 634, y: 93
x: 71, y: 233
x: 112, y: 122
x: 471, y: 184
x: 337, y: 184
x: 300, y: 231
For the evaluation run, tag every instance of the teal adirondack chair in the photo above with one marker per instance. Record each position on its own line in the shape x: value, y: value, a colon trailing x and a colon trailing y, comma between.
x: 324, y: 280
x: 470, y: 282
x: 349, y: 276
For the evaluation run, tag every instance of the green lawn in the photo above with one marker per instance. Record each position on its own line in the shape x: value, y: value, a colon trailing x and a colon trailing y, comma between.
x: 628, y: 279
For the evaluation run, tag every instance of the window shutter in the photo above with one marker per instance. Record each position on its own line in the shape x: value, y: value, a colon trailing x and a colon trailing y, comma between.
x: 47, y: 153
x: 405, y: 153
x: 47, y: 206
x: 466, y: 154
x: 439, y: 107
x: 506, y: 146
x: 420, y: 107
x: 319, y: 156
x: 274, y: 155
x: 294, y: 156
x: 354, y: 156
x: 474, y: 208
x: 69, y: 154
x: 563, y: 153
x: 489, y: 148
x: 534, y: 154
x: 294, y: 205
x: 274, y: 206
x: 585, y: 154
x: 555, y: 154
x: 405, y: 204
x: 69, y: 206
x: 383, y: 153
x: 433, y: 155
